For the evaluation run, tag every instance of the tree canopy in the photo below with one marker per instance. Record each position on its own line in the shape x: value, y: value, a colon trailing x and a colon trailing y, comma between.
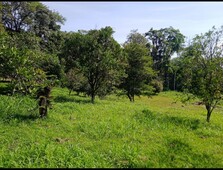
x: 163, y: 44
x: 98, y: 56
x: 206, y: 71
x: 139, y: 67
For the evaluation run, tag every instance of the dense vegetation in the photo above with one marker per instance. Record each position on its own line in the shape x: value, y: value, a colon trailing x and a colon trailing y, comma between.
x: 163, y: 124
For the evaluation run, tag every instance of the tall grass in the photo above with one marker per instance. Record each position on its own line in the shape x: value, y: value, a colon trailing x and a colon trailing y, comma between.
x: 152, y: 132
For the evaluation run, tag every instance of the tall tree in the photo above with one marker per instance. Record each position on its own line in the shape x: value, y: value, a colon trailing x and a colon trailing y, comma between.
x: 98, y: 56
x: 17, y: 16
x: 180, y: 67
x: 163, y: 44
x: 23, y: 55
x: 35, y: 18
x: 136, y: 37
x: 174, y: 68
x: 102, y: 61
x: 20, y: 16
x: 72, y: 50
x: 139, y: 69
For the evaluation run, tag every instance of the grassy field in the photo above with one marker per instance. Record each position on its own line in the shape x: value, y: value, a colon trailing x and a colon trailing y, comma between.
x: 157, y: 132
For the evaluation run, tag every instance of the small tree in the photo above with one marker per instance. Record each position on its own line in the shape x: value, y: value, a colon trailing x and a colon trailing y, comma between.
x: 206, y: 69
x: 20, y: 66
x: 75, y: 81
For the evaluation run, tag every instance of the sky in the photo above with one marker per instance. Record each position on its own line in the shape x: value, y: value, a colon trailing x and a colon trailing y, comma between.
x: 190, y: 18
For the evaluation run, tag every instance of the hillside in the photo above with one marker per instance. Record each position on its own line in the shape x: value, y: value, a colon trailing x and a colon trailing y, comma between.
x: 152, y: 132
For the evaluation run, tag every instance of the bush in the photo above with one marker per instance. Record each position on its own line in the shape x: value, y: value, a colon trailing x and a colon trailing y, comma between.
x: 157, y: 85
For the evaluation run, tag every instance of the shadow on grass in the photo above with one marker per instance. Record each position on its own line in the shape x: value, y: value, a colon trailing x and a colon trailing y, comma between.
x: 78, y: 95
x: 180, y: 154
x: 193, y: 124
x: 5, y: 90
x: 19, y: 118
x: 25, y: 117
x: 63, y: 99
x: 147, y: 116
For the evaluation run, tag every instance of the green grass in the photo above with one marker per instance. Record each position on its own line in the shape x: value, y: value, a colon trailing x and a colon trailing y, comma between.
x: 157, y: 132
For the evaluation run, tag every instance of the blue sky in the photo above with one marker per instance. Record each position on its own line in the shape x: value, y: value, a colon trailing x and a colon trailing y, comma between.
x: 190, y: 18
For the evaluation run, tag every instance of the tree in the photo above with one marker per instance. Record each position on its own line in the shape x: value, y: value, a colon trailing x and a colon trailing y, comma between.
x: 1, y: 24
x: 163, y: 44
x: 26, y: 67
x: 139, y: 69
x: 98, y: 56
x: 72, y: 50
x: 34, y: 18
x: 29, y: 16
x: 102, y: 61
x: 135, y: 37
x: 206, y: 69
x: 75, y: 81
x: 180, y: 67
x: 54, y: 43
x: 19, y: 65
x: 32, y: 27
x: 4, y: 47
x: 174, y: 68
x: 16, y: 16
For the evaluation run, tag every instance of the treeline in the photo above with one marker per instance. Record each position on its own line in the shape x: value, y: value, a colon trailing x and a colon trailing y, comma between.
x: 35, y: 53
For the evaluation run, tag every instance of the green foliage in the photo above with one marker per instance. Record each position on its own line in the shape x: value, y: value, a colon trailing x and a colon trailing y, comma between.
x: 54, y: 43
x: 135, y: 37
x: 50, y: 64
x: 181, y: 75
x: 3, y: 49
x: 139, y: 71
x: 101, y: 61
x: 72, y: 50
x: 33, y: 24
x: 206, y: 71
x: 75, y: 81
x: 163, y: 44
x: 98, y: 56
x: 30, y: 16
x: 20, y: 65
x: 24, y: 40
x: 24, y: 64
x: 157, y: 85
x: 16, y: 16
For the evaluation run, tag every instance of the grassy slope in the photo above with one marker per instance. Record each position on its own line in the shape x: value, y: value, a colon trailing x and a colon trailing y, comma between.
x: 152, y: 132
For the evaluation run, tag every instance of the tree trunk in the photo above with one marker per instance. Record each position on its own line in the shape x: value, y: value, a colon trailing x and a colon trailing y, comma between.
x: 166, y: 86
x: 70, y: 92
x: 92, y: 98
x: 131, y: 98
x: 208, y: 116
x: 208, y: 107
x: 174, y: 81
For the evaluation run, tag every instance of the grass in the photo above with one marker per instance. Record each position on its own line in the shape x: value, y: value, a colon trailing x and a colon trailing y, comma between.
x: 157, y: 132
